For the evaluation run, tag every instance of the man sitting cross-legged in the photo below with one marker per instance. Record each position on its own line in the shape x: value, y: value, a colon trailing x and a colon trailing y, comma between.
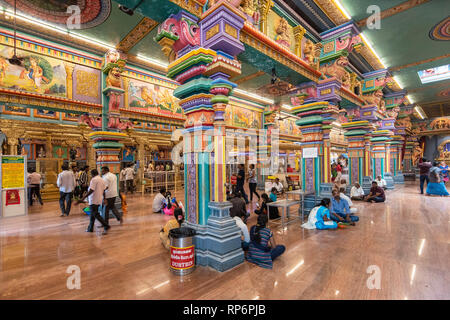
x: 357, y: 192
x: 376, y: 194
x: 340, y: 211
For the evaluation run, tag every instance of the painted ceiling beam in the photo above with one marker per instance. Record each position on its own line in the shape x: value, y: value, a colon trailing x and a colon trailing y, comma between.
x: 394, y: 10
x: 136, y: 34
x: 412, y: 64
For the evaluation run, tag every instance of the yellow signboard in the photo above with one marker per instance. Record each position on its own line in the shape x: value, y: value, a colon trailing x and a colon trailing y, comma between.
x: 13, y: 172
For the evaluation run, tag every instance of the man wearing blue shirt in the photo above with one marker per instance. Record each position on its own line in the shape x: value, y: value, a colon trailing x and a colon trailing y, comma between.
x: 340, y: 211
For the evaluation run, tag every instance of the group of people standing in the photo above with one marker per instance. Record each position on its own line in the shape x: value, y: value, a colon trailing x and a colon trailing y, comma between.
x: 100, y: 191
x: 436, y: 175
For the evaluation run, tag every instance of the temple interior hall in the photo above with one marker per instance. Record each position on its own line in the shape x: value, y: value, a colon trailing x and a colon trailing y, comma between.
x: 224, y: 150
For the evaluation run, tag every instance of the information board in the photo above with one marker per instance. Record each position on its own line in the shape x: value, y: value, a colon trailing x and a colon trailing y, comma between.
x: 14, y: 201
x: 309, y: 152
x: 13, y: 173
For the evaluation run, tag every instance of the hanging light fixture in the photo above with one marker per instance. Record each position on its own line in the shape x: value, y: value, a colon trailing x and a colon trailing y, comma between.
x: 15, y: 60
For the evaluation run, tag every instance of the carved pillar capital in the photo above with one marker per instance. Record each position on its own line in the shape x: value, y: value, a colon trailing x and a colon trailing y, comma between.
x: 299, y: 32
x: 264, y: 9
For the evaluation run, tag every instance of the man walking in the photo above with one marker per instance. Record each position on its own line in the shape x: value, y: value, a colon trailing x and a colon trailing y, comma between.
x: 111, y: 194
x: 424, y: 170
x: 240, y: 182
x: 122, y: 180
x: 83, y: 181
x: 95, y: 194
x: 66, y: 185
x: 34, y: 184
x: 129, y: 177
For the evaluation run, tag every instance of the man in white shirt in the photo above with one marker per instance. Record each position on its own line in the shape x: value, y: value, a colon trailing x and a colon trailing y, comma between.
x: 381, y: 182
x: 34, y: 184
x: 277, y: 185
x: 66, y: 185
x: 129, y: 177
x: 95, y: 196
x: 244, y: 230
x: 349, y: 202
x: 159, y: 200
x: 111, y: 194
x: 357, y: 192
x: 122, y: 180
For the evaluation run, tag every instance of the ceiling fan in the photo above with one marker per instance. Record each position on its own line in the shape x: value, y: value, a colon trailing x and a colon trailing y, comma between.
x: 15, y: 60
x: 277, y: 86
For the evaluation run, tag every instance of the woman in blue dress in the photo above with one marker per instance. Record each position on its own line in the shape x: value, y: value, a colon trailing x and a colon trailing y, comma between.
x: 444, y: 172
x: 319, y: 217
x: 263, y: 250
x: 436, y: 186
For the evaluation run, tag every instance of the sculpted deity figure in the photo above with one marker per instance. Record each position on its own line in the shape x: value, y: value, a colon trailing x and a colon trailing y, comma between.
x: 282, y: 31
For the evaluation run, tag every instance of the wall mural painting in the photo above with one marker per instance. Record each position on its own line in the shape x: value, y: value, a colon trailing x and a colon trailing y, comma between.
x: 246, y: 118
x: 27, y: 151
x: 86, y: 83
x: 152, y: 98
x: 60, y: 152
x: 81, y: 153
x: 38, y: 73
x: 128, y: 153
x: 40, y: 150
x: 71, y: 116
x: 288, y: 127
x: 15, y: 110
x: 47, y: 114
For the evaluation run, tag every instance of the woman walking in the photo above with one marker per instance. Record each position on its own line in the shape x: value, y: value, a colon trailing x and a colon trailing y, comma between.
x: 252, y: 182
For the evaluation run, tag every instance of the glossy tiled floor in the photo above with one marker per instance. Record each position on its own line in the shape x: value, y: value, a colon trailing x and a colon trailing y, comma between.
x: 407, y: 238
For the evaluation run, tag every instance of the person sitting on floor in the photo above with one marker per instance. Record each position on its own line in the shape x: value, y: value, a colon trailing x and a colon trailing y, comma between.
x: 278, y: 186
x: 340, y: 211
x: 381, y: 182
x: 357, y: 192
x: 240, y: 219
x: 263, y: 249
x: 158, y: 201
x: 173, y: 223
x: 342, y: 194
x: 436, y: 186
x: 319, y: 217
x: 239, y: 207
x: 273, y: 211
x: 376, y: 194
x: 343, y: 184
x: 273, y: 194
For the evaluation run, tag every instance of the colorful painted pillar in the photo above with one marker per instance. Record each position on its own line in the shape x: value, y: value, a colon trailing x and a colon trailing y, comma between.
x: 379, y: 141
x: 407, y: 158
x: 203, y: 59
x: 315, y: 125
x: 107, y: 127
x: 358, y: 137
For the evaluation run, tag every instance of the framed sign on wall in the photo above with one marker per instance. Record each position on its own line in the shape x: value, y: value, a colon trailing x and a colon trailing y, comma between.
x: 14, y: 193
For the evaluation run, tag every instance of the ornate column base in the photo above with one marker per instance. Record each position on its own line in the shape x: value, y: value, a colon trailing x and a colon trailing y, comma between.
x: 107, y: 147
x: 366, y: 184
x: 389, y: 180
x: 218, y: 244
x: 399, y: 178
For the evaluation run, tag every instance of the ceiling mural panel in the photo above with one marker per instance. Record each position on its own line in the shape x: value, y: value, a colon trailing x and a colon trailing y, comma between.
x: 92, y: 12
x: 441, y: 31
